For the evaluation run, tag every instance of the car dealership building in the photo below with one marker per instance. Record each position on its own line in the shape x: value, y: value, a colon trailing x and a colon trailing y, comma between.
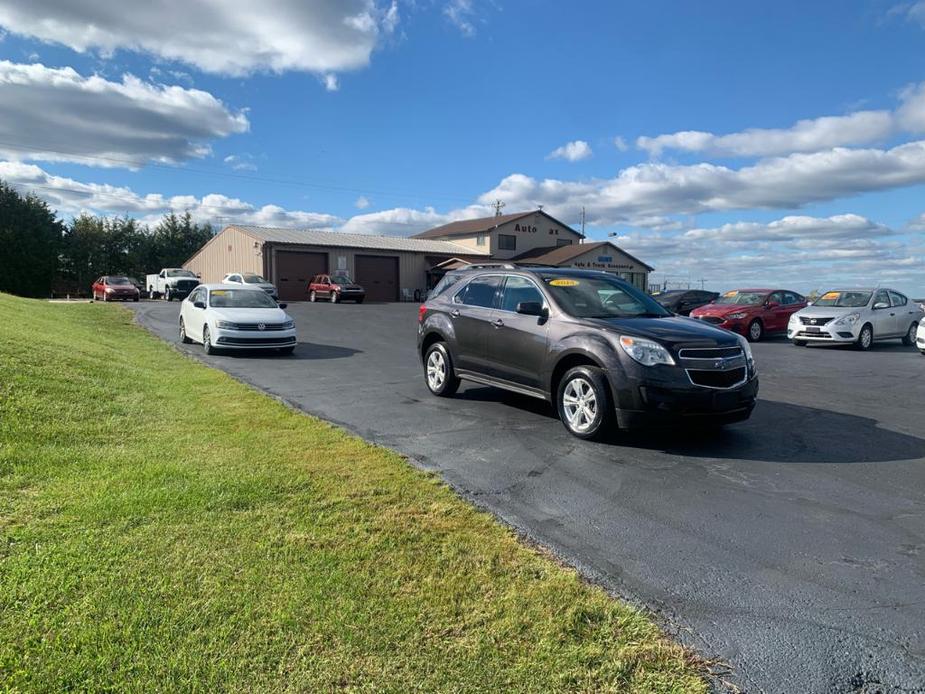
x: 397, y: 268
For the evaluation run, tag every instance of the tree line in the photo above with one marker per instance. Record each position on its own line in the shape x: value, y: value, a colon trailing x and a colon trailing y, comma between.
x: 41, y: 255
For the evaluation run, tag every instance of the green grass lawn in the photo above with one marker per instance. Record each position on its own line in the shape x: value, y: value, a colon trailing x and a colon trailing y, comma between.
x: 163, y: 527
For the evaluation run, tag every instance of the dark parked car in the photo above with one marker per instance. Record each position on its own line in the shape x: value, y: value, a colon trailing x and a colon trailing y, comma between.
x: 114, y: 288
x: 683, y: 301
x: 595, y: 346
x: 335, y: 288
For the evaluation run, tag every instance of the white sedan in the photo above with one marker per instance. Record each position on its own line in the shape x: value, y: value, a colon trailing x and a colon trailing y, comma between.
x: 223, y: 316
x: 920, y: 338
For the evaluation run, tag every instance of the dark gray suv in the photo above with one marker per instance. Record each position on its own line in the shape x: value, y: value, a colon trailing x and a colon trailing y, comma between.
x: 595, y: 346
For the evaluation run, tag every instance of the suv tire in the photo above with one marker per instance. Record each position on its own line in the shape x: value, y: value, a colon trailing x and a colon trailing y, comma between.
x: 312, y: 296
x: 438, y: 371
x: 583, y: 402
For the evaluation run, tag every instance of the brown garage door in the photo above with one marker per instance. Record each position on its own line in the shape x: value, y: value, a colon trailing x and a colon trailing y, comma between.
x: 294, y: 270
x: 378, y: 274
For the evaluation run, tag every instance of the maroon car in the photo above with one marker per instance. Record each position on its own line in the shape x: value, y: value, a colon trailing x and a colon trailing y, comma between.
x: 113, y: 288
x: 753, y: 313
x: 335, y: 288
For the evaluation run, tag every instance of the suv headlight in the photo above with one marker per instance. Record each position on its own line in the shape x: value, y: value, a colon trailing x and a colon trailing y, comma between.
x: 747, y: 350
x: 737, y: 316
x: 226, y: 325
x: 850, y: 319
x: 646, y: 352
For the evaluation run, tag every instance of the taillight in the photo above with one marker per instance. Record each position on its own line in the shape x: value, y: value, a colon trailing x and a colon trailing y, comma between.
x: 422, y: 309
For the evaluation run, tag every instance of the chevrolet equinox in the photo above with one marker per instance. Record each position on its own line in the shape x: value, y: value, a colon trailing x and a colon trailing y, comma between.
x: 599, y: 349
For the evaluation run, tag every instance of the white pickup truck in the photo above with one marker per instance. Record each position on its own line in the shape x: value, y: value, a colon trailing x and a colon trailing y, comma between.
x: 171, y: 283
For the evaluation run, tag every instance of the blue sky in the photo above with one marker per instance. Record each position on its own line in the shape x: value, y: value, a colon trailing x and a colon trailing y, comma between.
x: 786, y: 141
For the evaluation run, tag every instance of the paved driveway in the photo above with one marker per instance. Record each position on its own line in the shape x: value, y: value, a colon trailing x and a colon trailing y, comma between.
x: 792, y: 545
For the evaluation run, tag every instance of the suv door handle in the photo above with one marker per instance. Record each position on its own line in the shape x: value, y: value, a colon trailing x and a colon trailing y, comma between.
x: 454, y: 313
x: 498, y: 323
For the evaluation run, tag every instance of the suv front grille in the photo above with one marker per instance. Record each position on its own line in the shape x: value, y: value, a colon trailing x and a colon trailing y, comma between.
x: 709, y: 352
x: 813, y: 320
x: 717, y: 379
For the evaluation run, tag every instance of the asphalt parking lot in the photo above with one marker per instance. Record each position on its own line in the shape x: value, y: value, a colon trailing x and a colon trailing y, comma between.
x: 791, y: 546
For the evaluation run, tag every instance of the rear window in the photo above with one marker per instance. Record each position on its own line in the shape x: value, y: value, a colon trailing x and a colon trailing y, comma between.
x: 479, y: 292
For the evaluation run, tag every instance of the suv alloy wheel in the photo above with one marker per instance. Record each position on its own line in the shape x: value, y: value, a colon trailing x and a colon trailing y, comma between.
x: 583, y: 402
x: 438, y: 371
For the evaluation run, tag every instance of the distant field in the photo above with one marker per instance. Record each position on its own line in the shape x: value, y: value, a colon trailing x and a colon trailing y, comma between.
x: 163, y: 527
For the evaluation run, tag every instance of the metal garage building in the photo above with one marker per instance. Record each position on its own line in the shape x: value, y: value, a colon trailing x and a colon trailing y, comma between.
x: 390, y: 268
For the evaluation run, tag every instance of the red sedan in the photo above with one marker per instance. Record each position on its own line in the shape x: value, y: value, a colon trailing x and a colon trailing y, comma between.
x: 753, y: 313
x: 115, y: 287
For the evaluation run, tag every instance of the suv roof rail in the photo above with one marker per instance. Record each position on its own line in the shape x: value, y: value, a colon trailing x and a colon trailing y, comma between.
x: 482, y: 266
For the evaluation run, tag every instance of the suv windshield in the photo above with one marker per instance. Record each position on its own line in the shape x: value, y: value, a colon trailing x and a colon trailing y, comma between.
x: 843, y: 299
x: 341, y: 279
x: 601, y: 297
x: 180, y: 273
x: 741, y: 298
x: 254, y: 279
x: 240, y: 298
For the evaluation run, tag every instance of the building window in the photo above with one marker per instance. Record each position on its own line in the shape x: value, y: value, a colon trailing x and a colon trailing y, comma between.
x: 563, y: 242
x: 480, y: 240
x: 507, y: 242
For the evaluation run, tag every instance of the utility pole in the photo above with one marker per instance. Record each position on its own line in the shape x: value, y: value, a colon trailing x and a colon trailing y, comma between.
x: 582, y: 221
x: 498, y: 205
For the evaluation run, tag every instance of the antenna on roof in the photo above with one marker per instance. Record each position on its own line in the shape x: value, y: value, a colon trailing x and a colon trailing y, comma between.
x: 540, y: 207
x: 498, y: 205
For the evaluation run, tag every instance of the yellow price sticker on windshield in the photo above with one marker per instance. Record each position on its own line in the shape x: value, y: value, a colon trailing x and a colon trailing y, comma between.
x: 219, y: 292
x: 563, y: 283
x: 733, y: 293
x: 831, y: 296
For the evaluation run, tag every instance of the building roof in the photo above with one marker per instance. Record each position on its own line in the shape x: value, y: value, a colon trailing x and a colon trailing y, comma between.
x: 311, y: 237
x: 563, y: 254
x: 468, y: 227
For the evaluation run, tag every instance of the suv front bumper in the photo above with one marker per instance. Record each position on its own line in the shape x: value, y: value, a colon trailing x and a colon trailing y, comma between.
x: 671, y: 397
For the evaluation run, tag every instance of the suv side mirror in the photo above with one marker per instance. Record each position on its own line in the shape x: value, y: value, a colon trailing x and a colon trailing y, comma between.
x: 532, y: 308
x: 881, y: 304
x: 199, y: 304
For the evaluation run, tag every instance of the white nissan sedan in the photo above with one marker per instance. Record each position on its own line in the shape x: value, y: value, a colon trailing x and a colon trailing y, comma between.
x: 230, y: 316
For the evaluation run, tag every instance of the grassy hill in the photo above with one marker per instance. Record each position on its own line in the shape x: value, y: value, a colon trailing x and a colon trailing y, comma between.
x: 164, y: 527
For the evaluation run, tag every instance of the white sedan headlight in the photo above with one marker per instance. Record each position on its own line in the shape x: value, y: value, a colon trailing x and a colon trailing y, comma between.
x: 226, y: 325
x: 288, y: 325
x: 646, y: 352
x: 850, y: 319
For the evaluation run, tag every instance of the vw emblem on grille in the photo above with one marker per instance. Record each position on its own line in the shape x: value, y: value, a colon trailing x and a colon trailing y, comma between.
x: 261, y: 326
x: 812, y: 321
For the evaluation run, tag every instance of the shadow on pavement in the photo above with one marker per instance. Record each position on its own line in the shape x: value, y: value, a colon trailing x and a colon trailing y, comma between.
x: 310, y: 351
x: 777, y: 432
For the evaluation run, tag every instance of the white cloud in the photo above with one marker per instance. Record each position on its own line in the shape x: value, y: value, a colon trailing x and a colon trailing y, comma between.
x: 655, y: 189
x: 330, y: 82
x: 240, y: 162
x: 571, y: 151
x: 461, y: 15
x: 232, y: 37
x: 862, y: 127
x: 799, y: 252
x: 912, y: 11
x: 917, y: 224
x: 56, y: 114
x: 361, y: 203
x: 811, y: 135
x: 70, y: 197
x: 400, y: 221
x: 620, y: 143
